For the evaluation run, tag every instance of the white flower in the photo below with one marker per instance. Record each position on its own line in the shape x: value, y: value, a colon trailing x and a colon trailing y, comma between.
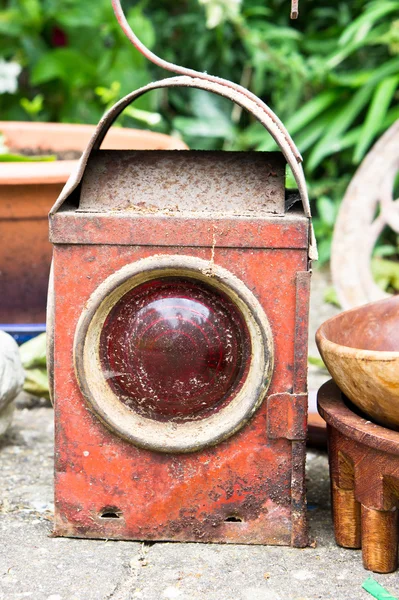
x: 9, y: 73
x: 219, y: 11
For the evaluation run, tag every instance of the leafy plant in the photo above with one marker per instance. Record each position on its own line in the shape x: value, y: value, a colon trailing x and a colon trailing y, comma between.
x: 332, y: 76
x: 33, y: 107
x: 330, y: 296
x: 317, y: 362
x: 386, y: 273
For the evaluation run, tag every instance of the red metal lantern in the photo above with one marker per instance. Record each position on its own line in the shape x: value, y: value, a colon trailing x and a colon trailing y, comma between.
x: 178, y: 346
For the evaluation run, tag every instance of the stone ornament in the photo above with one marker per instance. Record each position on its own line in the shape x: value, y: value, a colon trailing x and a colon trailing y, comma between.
x: 12, y: 378
x: 367, y: 208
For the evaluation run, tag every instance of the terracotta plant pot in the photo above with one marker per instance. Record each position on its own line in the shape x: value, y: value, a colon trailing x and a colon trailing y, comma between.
x: 27, y: 192
x: 360, y: 348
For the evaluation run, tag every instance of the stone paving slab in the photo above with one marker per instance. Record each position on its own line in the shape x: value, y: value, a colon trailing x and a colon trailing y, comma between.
x: 35, y: 566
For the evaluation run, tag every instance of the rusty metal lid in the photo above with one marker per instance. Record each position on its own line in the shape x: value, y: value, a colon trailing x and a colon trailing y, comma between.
x: 210, y: 182
x: 258, y: 110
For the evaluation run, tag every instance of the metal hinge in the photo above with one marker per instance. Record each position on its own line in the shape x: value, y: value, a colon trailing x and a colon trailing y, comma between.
x: 287, y: 416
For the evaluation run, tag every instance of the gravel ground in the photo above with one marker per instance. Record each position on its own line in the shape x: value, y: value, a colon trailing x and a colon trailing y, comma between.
x: 35, y: 565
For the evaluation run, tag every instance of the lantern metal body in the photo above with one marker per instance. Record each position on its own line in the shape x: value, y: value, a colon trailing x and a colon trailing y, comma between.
x: 132, y: 462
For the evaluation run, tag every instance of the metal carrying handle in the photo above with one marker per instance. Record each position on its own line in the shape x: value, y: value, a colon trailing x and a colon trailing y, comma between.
x: 220, y: 89
x: 216, y: 85
x: 164, y: 64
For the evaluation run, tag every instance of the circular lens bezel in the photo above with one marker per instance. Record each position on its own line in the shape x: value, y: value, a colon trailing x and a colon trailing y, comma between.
x: 170, y: 436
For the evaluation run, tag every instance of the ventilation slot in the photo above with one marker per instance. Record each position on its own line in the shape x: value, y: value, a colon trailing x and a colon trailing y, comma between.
x: 110, y: 512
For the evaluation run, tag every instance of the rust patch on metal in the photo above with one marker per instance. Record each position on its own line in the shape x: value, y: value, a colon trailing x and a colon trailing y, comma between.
x: 301, y: 331
x: 287, y: 416
x: 289, y: 231
x: 299, y: 534
x: 199, y: 182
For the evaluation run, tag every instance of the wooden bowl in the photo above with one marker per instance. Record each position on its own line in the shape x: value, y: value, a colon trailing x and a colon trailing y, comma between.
x: 360, y: 348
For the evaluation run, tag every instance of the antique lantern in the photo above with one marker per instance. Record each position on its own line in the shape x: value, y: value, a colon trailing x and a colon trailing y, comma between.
x: 178, y: 345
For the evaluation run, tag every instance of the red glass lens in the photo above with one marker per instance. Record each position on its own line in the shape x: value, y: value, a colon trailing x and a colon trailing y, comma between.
x: 175, y: 348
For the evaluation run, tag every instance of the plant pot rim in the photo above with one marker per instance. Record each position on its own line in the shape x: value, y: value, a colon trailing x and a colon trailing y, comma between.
x: 68, y: 136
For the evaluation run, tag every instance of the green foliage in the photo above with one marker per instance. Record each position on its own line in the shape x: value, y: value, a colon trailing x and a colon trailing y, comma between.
x: 33, y: 107
x: 326, y: 213
x: 10, y: 157
x: 331, y: 76
x: 330, y: 296
x: 317, y: 362
x: 33, y: 358
x: 386, y: 273
x: 33, y: 352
